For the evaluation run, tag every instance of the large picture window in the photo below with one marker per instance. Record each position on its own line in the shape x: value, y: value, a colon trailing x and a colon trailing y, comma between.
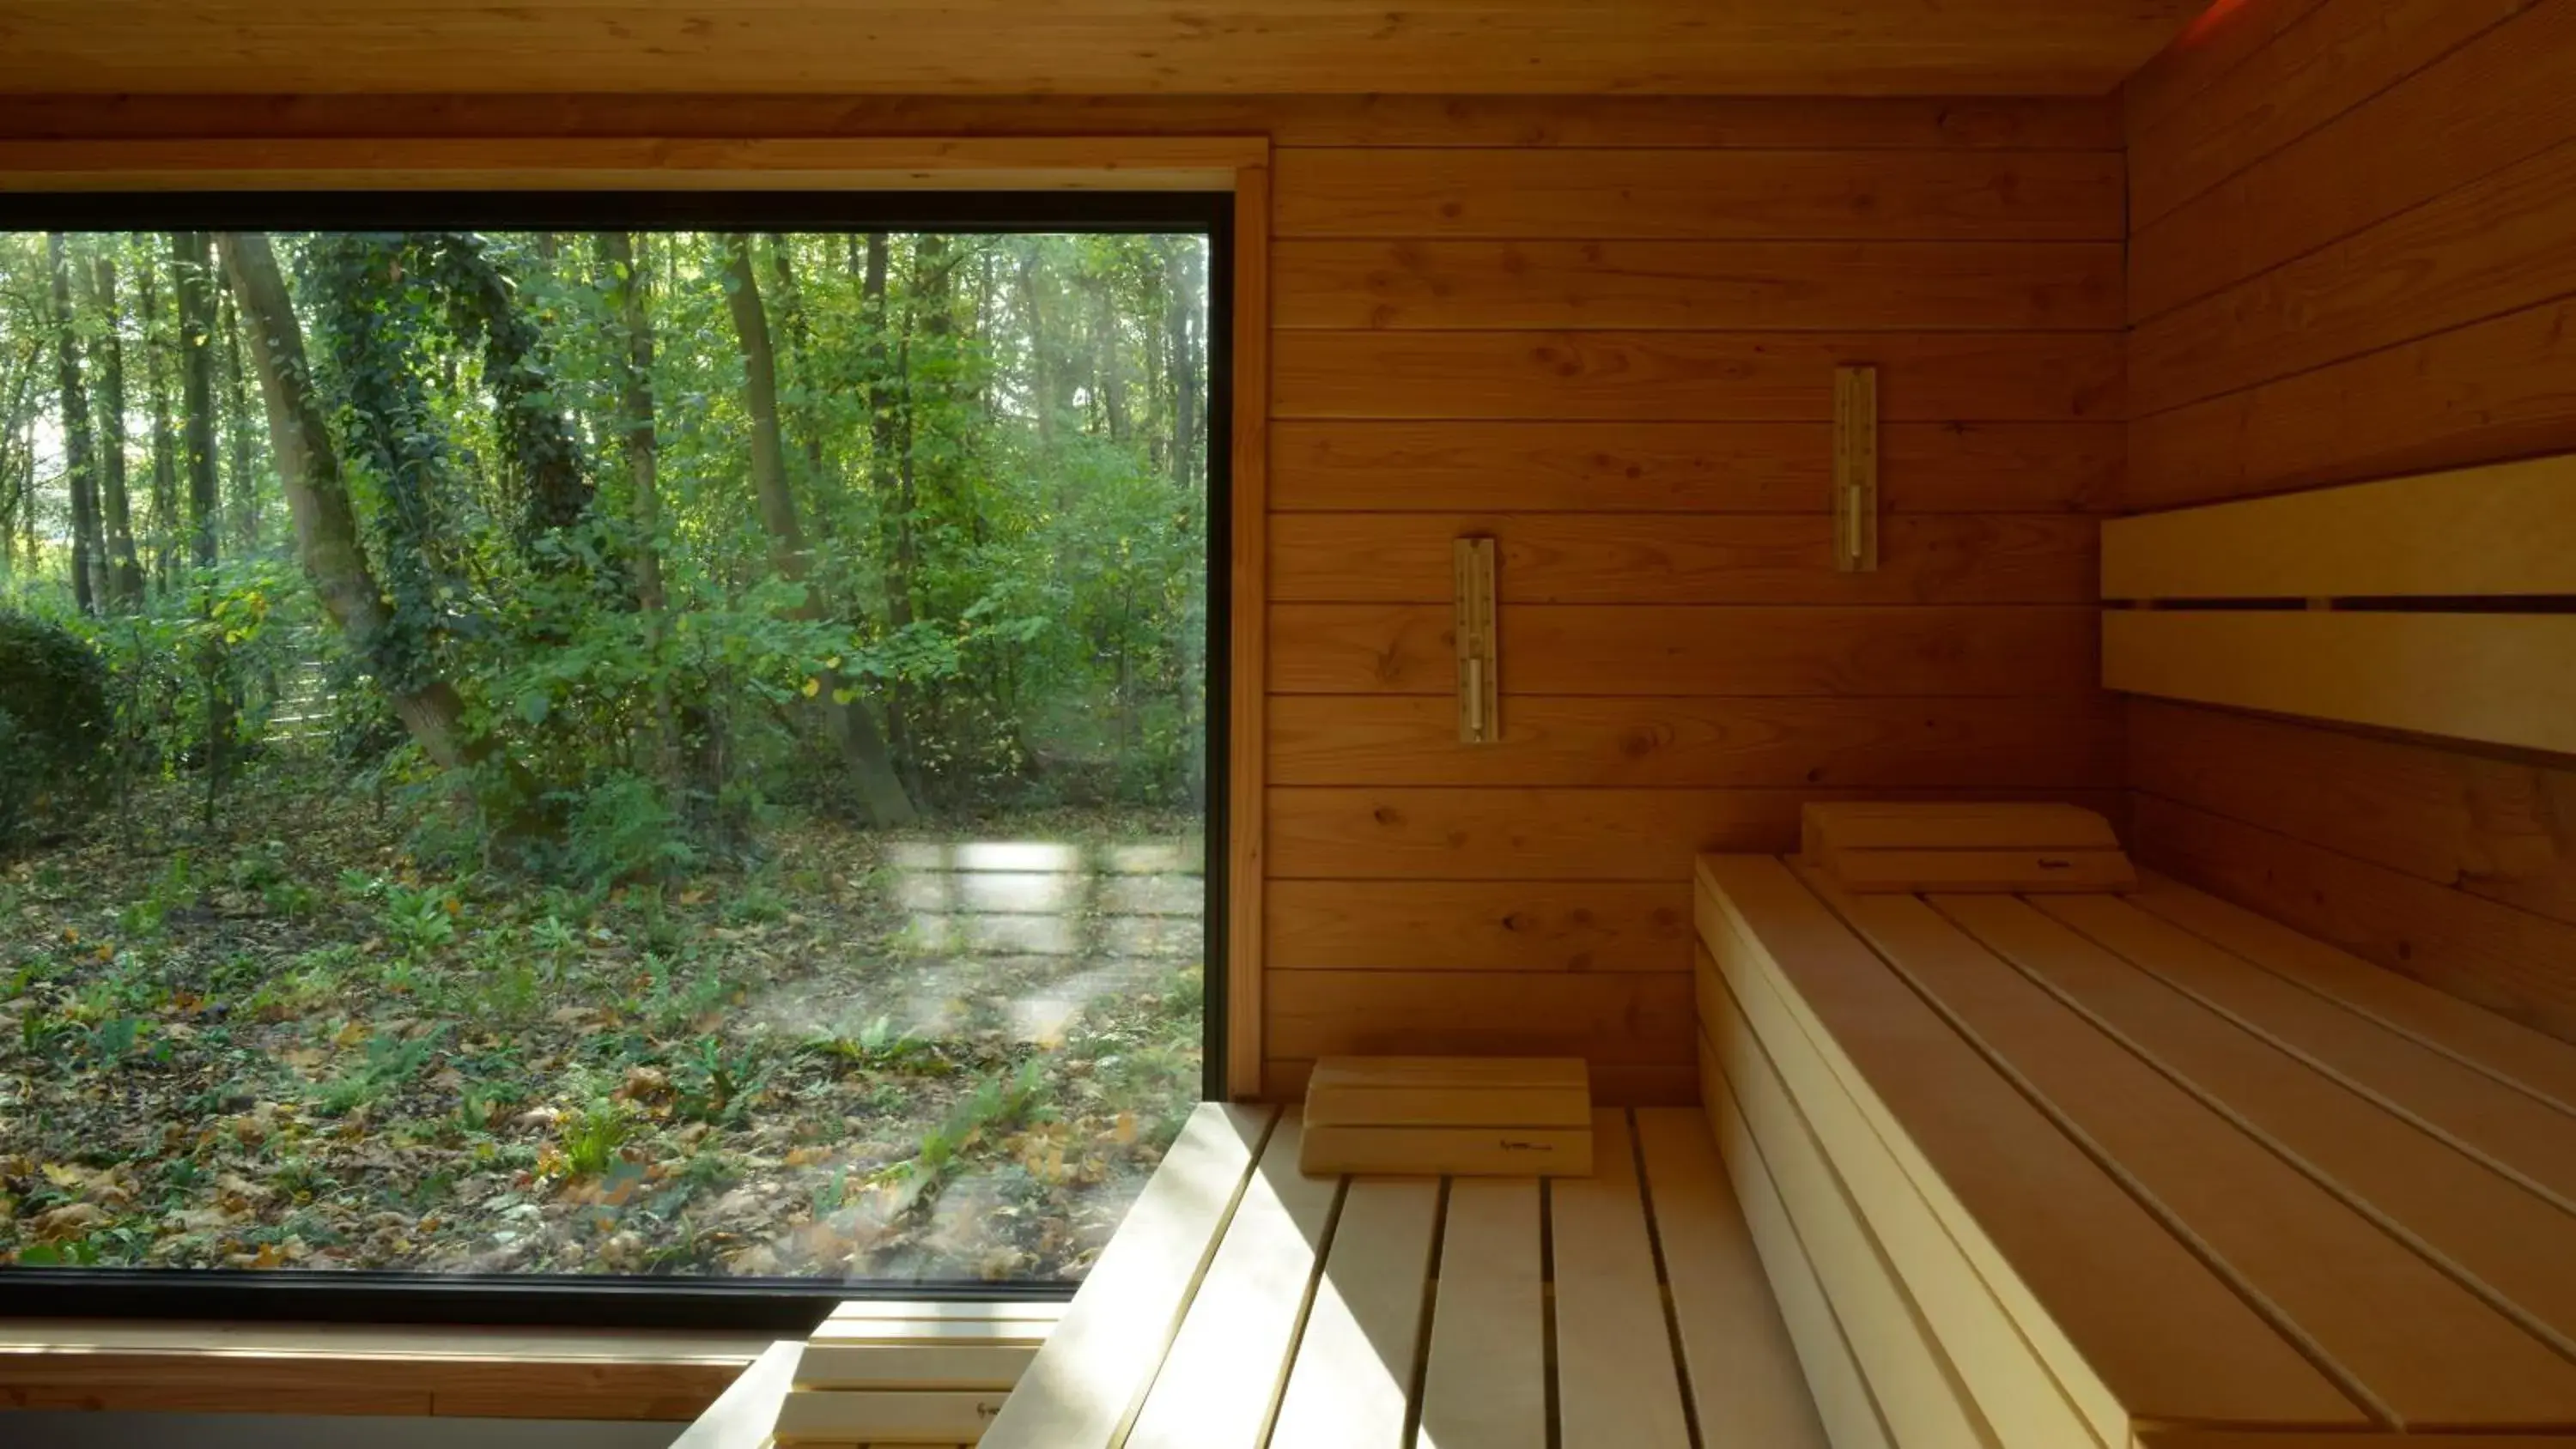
x: 636, y: 744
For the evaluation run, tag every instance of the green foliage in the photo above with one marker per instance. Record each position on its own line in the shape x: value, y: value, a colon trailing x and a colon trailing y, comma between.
x: 420, y: 920
x: 53, y: 726
x: 591, y: 1137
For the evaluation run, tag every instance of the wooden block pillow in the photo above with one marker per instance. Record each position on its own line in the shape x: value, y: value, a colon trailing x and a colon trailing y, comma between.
x: 1454, y: 1116
x: 1900, y: 847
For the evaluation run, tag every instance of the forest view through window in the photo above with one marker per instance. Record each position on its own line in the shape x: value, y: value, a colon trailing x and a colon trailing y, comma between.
x: 651, y: 753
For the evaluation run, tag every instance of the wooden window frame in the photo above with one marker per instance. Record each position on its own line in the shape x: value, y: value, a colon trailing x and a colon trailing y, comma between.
x: 1239, y: 165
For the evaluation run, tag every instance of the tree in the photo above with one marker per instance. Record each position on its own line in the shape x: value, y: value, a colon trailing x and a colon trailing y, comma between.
x: 89, y: 584
x: 633, y: 366
x: 326, y: 526
x: 863, y: 747
x: 165, y: 438
x: 192, y: 263
x: 125, y: 575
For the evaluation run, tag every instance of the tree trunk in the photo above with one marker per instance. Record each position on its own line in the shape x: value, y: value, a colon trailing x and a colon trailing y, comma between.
x: 165, y: 440
x: 1108, y: 359
x: 889, y: 470
x: 326, y: 526
x: 863, y: 749
x: 80, y: 479
x: 238, y: 458
x: 642, y: 446
x: 1187, y: 328
x: 800, y: 356
x: 192, y: 263
x: 124, y: 574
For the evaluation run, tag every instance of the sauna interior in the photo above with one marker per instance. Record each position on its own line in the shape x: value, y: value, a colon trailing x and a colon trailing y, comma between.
x: 2134, y: 433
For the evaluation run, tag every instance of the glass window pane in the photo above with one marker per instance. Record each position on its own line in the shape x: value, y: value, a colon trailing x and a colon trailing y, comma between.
x: 613, y: 753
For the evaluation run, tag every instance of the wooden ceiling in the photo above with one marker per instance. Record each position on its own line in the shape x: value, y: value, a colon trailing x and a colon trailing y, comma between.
x: 1101, y: 47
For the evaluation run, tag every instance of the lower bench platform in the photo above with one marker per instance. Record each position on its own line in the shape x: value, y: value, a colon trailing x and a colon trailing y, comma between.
x: 2136, y: 1169
x: 1243, y: 1304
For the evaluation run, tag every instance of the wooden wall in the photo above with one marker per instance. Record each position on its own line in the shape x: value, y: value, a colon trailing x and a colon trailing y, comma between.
x: 2354, y: 255
x: 1618, y: 361
x: 1604, y: 332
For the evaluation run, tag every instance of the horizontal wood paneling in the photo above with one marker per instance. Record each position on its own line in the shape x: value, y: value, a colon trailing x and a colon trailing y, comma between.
x: 1680, y: 650
x: 1781, y: 195
x: 1608, y: 558
x: 1634, y: 1018
x: 1391, y: 832
x: 1716, y: 376
x: 2209, y: 50
x: 1680, y: 286
x: 2493, y: 825
x: 2498, y: 390
x: 1686, y: 467
x: 2491, y: 103
x: 1639, y: 1083
x: 1246, y: 47
x: 2352, y: 264
x: 1762, y: 123
x: 2332, y: 59
x: 2505, y: 959
x: 2497, y: 245
x: 1842, y: 743
x: 1422, y: 925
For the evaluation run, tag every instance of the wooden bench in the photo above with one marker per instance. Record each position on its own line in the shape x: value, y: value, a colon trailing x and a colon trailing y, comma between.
x: 1243, y: 1304
x: 2135, y: 1169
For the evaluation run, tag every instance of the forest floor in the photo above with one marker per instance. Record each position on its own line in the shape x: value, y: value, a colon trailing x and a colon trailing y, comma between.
x: 942, y: 1053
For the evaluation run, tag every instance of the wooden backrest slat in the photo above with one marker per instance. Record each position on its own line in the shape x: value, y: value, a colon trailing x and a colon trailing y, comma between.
x: 2507, y: 679
x: 2504, y: 530
x: 2379, y: 568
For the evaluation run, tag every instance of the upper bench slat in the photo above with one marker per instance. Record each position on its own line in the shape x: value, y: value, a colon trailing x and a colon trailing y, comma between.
x: 2159, y: 1333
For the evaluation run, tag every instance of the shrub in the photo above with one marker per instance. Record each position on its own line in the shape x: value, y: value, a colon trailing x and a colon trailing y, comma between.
x: 53, y: 726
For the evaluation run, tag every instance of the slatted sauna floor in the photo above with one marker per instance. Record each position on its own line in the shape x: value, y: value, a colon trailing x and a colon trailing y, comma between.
x: 2140, y: 1169
x: 1243, y: 1304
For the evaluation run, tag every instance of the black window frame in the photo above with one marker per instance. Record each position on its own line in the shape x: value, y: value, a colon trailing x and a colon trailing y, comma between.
x: 777, y: 1304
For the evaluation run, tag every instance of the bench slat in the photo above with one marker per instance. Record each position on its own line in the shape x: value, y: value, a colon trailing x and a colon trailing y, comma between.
x: 1485, y: 1384
x: 1355, y: 1365
x: 1084, y: 1387
x: 2421, y: 1347
x: 2133, y: 1322
x: 1743, y: 1368
x: 2506, y: 1050
x: 1907, y: 1369
x: 2402, y: 1166
x: 2508, y: 1128
x: 1994, y: 1360
x: 2409, y: 1334
x: 1617, y: 1385
x: 1219, y: 1383
x: 1843, y: 1398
